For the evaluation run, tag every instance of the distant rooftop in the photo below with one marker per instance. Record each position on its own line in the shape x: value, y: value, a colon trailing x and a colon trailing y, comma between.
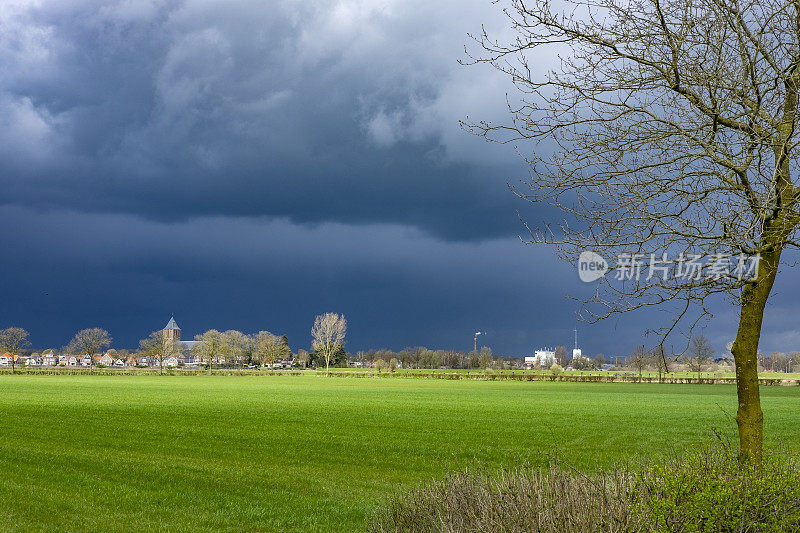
x: 172, y: 324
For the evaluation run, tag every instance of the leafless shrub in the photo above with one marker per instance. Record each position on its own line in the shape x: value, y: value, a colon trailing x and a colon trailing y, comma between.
x: 517, y: 499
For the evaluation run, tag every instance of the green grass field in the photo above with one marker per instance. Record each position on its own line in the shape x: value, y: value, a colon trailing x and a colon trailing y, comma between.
x: 262, y: 453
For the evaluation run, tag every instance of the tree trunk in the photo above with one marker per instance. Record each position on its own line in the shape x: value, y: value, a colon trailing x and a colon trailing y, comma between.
x: 749, y: 417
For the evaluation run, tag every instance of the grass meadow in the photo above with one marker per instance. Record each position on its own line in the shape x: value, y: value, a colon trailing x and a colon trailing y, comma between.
x: 277, y: 453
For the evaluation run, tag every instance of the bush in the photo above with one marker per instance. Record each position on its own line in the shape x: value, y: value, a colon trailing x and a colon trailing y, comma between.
x: 711, y: 491
x: 516, y: 499
x: 705, y: 491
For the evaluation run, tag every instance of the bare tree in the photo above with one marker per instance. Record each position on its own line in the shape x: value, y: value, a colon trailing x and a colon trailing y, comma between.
x: 485, y: 358
x: 235, y: 346
x: 638, y: 360
x: 659, y: 359
x: 12, y: 340
x: 327, y: 335
x: 700, y: 351
x: 779, y: 362
x: 267, y: 347
x: 561, y: 356
x: 302, y: 358
x: 794, y: 360
x: 208, y: 347
x: 674, y: 127
x: 90, y: 342
x: 161, y: 346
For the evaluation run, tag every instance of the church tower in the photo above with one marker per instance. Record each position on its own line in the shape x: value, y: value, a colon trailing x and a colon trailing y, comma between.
x: 172, y: 331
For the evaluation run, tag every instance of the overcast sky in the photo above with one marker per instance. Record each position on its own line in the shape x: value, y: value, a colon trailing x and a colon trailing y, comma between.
x: 250, y: 164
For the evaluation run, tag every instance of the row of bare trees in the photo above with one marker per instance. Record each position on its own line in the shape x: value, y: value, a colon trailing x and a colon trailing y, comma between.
x: 89, y: 342
x: 213, y: 346
x: 696, y: 358
x: 421, y: 357
x: 234, y: 347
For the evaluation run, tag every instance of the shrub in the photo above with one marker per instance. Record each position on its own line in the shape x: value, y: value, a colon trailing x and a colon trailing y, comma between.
x: 711, y: 491
x: 516, y: 499
x: 707, y: 490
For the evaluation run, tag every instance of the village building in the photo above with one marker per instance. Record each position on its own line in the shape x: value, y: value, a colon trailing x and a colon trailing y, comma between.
x: 543, y: 358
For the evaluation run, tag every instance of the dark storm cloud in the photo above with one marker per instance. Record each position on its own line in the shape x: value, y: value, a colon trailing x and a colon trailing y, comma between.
x: 62, y: 271
x: 249, y: 164
x: 311, y: 111
x: 396, y: 286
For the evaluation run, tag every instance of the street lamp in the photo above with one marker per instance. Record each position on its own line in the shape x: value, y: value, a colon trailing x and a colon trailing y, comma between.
x: 476, y: 338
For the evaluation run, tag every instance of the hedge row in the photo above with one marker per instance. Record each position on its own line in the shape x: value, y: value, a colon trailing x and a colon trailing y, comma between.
x: 481, y: 376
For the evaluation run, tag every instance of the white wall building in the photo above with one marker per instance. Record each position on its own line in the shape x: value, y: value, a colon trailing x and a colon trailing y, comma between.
x: 543, y: 358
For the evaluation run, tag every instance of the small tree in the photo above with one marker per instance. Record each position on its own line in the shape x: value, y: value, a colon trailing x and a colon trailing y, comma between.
x: 562, y: 357
x: 235, y: 347
x: 659, y: 360
x: 208, y: 347
x: 393, y: 364
x: 700, y: 351
x: 161, y: 346
x: 485, y: 358
x: 638, y: 360
x: 266, y: 347
x: 284, y: 351
x: 327, y: 334
x: 302, y: 358
x: 90, y: 342
x: 599, y: 360
x: 380, y: 365
x: 12, y: 340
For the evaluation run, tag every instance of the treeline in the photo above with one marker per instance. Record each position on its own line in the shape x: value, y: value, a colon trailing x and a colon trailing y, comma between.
x: 421, y: 357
